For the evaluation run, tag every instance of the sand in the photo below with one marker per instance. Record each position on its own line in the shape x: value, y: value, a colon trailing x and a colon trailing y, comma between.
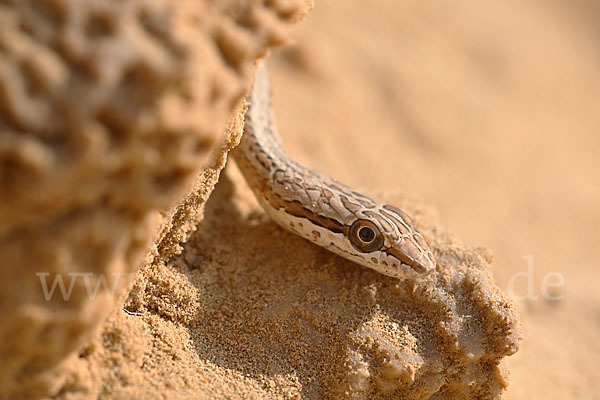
x: 477, y: 117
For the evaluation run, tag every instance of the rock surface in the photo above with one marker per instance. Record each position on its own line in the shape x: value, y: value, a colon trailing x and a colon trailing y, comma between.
x: 109, y: 111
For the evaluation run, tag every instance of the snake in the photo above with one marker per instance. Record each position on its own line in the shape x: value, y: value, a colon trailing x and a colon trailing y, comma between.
x: 318, y: 208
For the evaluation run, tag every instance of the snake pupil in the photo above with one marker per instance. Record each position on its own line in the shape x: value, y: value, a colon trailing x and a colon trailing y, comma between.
x: 366, y: 234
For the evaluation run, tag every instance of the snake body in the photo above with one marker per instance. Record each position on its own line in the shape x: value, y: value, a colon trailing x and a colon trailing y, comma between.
x: 319, y: 208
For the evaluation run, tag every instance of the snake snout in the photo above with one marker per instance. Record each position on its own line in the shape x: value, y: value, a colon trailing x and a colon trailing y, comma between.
x: 418, y: 258
x: 423, y: 264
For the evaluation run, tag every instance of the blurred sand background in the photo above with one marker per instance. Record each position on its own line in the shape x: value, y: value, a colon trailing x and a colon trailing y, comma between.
x: 489, y: 111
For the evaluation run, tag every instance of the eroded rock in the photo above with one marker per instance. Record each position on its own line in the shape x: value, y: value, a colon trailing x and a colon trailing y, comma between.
x: 109, y: 112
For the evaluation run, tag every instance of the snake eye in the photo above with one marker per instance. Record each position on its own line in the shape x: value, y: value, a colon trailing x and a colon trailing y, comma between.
x: 365, y: 236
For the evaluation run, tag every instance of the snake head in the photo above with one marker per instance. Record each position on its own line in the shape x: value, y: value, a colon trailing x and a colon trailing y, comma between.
x: 387, y: 242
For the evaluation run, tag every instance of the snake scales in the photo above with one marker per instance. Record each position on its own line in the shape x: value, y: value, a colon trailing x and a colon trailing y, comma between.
x: 319, y: 208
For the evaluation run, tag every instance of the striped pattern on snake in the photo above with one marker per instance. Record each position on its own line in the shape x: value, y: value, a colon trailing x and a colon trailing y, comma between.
x: 319, y: 208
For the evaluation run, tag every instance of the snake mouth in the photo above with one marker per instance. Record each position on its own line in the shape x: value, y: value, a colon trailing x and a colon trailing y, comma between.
x: 407, y: 260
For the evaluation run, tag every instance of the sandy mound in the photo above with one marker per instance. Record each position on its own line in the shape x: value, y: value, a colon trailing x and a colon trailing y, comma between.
x: 251, y: 311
